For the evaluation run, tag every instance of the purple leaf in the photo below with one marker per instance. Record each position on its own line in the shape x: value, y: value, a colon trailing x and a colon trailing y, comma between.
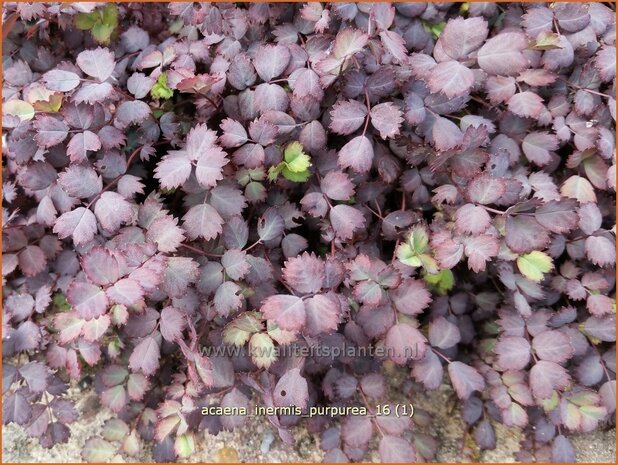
x: 486, y: 189
x: 557, y: 216
x: 465, y: 379
x: 98, y: 63
x: 287, y: 311
x: 526, y: 104
x: 87, y: 299
x: 173, y: 169
x: 35, y: 374
x: 451, y: 78
x: 348, y: 42
x: 445, y: 134
x: 291, y: 390
x: 323, y: 314
x: 443, y: 334
x: 346, y: 220
x: 271, y: 60
x: 553, y: 346
x: 404, y: 343
x: 60, y: 80
x: 538, y: 147
x: 347, y: 116
x: 387, y: 119
x: 304, y: 273
x: 513, y: 352
x: 133, y: 112
x: 503, y: 54
x: 50, y: 131
x: 112, y: 210
x: 545, y: 377
x: 472, y: 219
x: 411, y: 297
x: 396, y: 450
x: 172, y: 323
x: 80, y: 181
x: 462, y: 36
x: 202, y: 221
x: 524, y: 234
x: 145, y: 356
x: 337, y: 186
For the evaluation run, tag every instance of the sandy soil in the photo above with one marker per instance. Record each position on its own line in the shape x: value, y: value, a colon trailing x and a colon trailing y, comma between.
x: 250, y: 443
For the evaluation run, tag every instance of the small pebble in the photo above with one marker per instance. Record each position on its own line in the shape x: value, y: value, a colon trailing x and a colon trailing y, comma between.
x: 227, y: 455
x: 267, y: 440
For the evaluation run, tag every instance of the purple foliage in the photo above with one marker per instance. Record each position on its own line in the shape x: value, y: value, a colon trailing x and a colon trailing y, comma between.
x: 434, y: 179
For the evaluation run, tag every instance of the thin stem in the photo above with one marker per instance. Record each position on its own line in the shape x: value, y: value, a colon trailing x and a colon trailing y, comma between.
x: 378, y: 208
x: 200, y: 251
x: 369, y: 409
x: 259, y: 241
x: 374, y: 212
x: 441, y: 355
x: 368, y: 111
x: 493, y: 210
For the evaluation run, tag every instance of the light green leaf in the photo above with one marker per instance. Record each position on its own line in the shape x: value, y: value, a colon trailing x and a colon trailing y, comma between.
x: 442, y: 281
x: 97, y: 449
x: 295, y: 176
x: 534, y: 264
x: 115, y: 429
x: 262, y: 350
x: 406, y: 255
x: 184, y: 445
x: 547, y: 41
x: 102, y: 32
x: 86, y: 21
x: 109, y: 15
x: 296, y: 160
x: 160, y: 90
x: 22, y: 110
x: 235, y: 336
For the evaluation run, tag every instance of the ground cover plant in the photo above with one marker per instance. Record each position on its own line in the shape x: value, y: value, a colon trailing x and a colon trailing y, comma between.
x: 436, y: 181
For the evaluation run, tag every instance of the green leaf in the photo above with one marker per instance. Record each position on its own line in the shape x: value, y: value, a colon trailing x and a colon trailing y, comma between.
x: 109, y: 15
x: 442, y: 282
x: 262, y: 350
x: 100, y: 23
x: 102, y: 32
x: 296, y: 160
x: 22, y: 110
x: 51, y: 105
x: 131, y: 444
x: 583, y: 398
x: 115, y: 429
x: 235, y: 336
x: 273, y: 172
x: 534, y: 264
x: 406, y: 255
x: 413, y: 251
x: 86, y: 21
x: 97, y: 449
x: 551, y: 403
x: 419, y: 239
x: 60, y: 302
x: 160, y: 90
x: 184, y: 445
x: 294, y: 176
x: 437, y: 29
x: 295, y: 165
x: 547, y: 41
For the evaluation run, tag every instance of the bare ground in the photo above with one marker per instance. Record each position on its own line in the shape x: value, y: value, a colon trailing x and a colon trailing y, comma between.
x: 250, y: 443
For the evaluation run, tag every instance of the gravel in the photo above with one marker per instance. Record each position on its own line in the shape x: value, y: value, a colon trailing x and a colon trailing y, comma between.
x: 255, y: 441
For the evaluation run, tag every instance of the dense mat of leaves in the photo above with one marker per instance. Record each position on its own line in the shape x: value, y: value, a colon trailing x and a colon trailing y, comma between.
x: 433, y: 180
